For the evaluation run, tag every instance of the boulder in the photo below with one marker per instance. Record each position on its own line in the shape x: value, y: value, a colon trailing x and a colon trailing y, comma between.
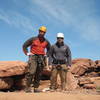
x: 19, y: 82
x: 6, y: 83
x: 81, y: 65
x: 96, y: 81
x: 92, y: 74
x: 11, y: 68
x: 85, y: 80
x: 72, y: 82
x: 89, y: 86
x: 97, y: 63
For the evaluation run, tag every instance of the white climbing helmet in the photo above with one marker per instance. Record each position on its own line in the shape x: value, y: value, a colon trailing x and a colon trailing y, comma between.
x: 60, y: 35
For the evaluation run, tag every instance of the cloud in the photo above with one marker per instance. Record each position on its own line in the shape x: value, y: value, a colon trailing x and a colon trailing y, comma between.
x: 76, y: 14
x: 52, y: 10
x: 4, y: 17
x: 16, y: 20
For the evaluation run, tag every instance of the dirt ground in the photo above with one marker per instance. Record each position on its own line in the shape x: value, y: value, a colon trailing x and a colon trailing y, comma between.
x: 47, y: 96
x: 78, y: 94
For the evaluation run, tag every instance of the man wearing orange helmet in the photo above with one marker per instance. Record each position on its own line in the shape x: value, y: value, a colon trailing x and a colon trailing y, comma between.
x: 36, y: 61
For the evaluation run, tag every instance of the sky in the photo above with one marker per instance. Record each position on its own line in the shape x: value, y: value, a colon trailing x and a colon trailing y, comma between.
x: 79, y: 20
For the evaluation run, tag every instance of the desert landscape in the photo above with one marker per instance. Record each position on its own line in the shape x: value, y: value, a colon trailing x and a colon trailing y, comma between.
x: 83, y: 82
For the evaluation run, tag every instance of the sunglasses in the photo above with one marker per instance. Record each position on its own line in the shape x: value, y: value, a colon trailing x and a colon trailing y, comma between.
x: 60, y: 38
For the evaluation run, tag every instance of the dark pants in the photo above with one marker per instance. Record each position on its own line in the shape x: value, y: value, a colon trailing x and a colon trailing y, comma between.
x: 33, y: 75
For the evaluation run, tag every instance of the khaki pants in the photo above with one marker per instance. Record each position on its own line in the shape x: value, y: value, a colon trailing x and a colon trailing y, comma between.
x: 33, y: 75
x: 62, y: 71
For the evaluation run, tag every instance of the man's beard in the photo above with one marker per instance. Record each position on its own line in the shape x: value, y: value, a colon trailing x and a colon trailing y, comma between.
x: 41, y: 36
x: 60, y: 43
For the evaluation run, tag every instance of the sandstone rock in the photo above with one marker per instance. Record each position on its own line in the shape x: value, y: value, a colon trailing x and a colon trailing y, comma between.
x: 11, y: 68
x: 97, y: 63
x: 95, y: 78
x: 72, y: 82
x: 81, y: 65
x: 96, y: 81
x: 19, y: 82
x: 89, y: 86
x: 6, y: 83
x: 86, y: 80
x: 92, y: 74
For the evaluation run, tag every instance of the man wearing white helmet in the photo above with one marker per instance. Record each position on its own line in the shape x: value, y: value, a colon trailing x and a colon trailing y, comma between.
x: 60, y: 61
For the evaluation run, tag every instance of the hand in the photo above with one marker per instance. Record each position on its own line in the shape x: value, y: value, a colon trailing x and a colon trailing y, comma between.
x: 29, y: 53
x: 69, y: 67
x: 50, y: 67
